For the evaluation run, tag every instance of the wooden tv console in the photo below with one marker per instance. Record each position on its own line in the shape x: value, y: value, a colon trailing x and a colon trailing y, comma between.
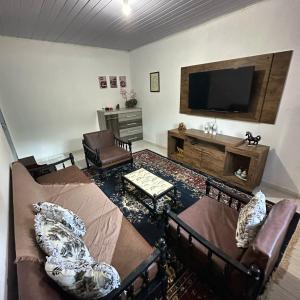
x: 219, y: 156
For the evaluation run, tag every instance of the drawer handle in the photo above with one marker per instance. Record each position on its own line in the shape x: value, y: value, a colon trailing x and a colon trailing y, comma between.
x: 132, y: 123
x: 131, y: 139
x: 129, y: 116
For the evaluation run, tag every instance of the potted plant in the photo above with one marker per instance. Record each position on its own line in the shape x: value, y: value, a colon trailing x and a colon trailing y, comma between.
x: 130, y: 98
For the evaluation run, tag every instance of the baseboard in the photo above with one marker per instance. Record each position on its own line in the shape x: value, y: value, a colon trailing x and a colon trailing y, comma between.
x: 283, y: 190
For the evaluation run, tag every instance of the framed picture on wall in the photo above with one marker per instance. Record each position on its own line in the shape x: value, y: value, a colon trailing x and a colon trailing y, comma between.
x: 102, y: 82
x: 113, y: 82
x: 154, y: 82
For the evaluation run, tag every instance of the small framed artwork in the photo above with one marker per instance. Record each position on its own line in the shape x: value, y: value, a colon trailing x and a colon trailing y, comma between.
x: 102, y: 82
x: 154, y: 82
x: 113, y: 82
x: 122, y: 80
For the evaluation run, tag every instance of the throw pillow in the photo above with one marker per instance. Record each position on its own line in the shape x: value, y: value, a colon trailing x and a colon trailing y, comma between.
x: 250, y: 219
x: 62, y: 215
x: 81, y: 279
x: 55, y: 239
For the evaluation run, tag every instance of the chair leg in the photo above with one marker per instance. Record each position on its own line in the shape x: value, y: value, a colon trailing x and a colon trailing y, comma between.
x: 87, y: 163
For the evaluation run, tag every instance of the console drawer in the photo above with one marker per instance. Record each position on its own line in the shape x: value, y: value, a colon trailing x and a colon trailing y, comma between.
x: 130, y: 116
x: 132, y: 138
x: 131, y: 131
x: 129, y: 124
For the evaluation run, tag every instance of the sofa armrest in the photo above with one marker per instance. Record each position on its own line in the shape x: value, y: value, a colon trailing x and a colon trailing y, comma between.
x: 123, y: 144
x: 159, y: 257
x: 49, y: 168
x: 90, y: 154
x: 266, y: 247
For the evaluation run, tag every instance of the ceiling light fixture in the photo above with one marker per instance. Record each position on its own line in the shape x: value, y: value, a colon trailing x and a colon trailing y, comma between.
x: 126, y: 8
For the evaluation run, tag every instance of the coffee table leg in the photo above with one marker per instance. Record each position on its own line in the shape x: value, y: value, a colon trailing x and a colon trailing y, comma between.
x: 175, y: 196
x: 154, y: 201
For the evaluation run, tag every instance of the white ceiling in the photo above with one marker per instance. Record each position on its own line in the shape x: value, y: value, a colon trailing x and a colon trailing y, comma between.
x: 101, y: 23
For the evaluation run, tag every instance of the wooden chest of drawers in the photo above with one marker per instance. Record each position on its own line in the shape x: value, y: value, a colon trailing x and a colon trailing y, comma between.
x: 126, y: 124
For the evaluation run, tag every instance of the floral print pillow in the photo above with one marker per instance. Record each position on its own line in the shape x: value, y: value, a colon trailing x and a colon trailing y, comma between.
x: 57, y: 240
x: 62, y: 215
x: 82, y: 279
x: 250, y: 219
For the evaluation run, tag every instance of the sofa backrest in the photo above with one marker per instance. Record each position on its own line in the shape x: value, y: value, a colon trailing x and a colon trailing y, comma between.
x: 25, y: 192
x: 265, y: 249
x: 99, y: 139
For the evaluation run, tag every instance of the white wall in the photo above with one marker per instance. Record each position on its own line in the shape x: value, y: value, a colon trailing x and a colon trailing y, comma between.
x: 268, y: 26
x: 5, y: 160
x: 50, y: 92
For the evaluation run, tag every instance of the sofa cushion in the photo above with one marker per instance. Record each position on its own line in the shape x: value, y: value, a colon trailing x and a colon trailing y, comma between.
x: 70, y: 174
x: 81, y: 279
x: 132, y: 245
x: 114, y: 154
x: 99, y: 139
x: 56, y: 240
x: 250, y: 219
x: 61, y: 215
x: 214, y: 221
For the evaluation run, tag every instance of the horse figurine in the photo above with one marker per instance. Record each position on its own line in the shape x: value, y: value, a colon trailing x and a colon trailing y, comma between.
x: 251, y: 139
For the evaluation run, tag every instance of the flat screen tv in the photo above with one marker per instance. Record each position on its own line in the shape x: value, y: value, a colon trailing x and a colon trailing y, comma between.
x: 225, y: 90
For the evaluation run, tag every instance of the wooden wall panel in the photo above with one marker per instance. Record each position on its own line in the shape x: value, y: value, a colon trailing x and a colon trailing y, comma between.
x: 269, y: 78
x: 279, y: 70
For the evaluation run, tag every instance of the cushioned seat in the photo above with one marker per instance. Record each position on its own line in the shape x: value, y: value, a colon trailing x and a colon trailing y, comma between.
x: 134, y: 247
x: 214, y: 221
x: 113, y: 154
x: 70, y: 174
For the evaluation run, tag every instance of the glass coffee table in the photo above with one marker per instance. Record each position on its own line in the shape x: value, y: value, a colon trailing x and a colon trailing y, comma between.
x: 147, y: 184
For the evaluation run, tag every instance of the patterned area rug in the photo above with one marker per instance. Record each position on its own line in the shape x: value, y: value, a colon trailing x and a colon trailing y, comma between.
x: 190, y: 185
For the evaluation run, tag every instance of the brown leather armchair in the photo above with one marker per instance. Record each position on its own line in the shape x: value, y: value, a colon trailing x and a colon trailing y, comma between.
x: 106, y: 151
x: 203, y: 236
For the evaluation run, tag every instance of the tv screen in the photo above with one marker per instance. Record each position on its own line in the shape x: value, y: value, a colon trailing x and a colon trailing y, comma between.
x: 221, y: 90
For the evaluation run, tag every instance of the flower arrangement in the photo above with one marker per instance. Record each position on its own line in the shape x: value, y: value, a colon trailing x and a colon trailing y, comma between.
x: 129, y: 97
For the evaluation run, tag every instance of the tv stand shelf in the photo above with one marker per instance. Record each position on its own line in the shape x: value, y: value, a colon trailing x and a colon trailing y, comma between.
x: 219, y: 156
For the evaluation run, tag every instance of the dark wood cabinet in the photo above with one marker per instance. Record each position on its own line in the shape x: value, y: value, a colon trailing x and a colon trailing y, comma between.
x: 220, y: 156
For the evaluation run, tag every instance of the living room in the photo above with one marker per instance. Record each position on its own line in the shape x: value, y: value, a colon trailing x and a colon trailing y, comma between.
x: 67, y: 64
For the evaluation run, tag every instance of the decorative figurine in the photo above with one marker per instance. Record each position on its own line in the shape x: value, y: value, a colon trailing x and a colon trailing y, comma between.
x: 252, y: 141
x: 206, y: 127
x: 181, y: 127
x: 210, y: 127
x: 117, y: 106
x: 241, y: 174
x: 244, y: 175
x: 214, y: 128
x: 179, y: 152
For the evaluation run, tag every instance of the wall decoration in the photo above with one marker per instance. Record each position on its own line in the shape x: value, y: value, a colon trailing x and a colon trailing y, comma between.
x: 113, y: 82
x: 122, y: 80
x: 102, y: 82
x: 154, y: 82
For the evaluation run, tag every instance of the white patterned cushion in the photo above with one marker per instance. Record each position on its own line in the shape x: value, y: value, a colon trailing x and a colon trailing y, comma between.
x: 81, y: 279
x: 57, y: 240
x: 62, y: 215
x: 250, y: 220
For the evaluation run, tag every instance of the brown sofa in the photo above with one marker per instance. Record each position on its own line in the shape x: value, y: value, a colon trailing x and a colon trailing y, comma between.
x: 204, y: 237
x: 138, y: 263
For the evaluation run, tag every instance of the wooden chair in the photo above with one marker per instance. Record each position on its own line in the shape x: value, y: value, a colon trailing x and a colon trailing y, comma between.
x: 203, y: 236
x: 106, y: 151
